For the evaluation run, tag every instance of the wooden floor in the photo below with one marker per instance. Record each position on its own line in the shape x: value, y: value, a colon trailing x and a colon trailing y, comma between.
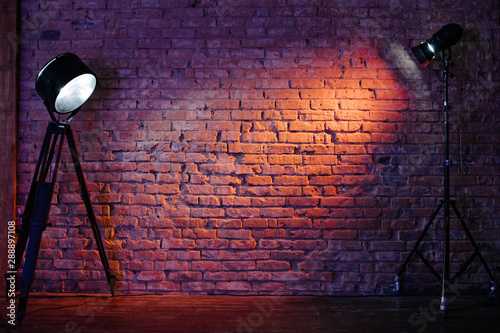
x: 74, y: 313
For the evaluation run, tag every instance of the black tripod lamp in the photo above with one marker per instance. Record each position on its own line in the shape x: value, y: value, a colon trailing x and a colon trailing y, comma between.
x: 442, y: 41
x: 65, y: 83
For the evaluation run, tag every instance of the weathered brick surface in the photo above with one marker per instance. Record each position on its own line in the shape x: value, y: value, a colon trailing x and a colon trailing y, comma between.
x: 262, y: 147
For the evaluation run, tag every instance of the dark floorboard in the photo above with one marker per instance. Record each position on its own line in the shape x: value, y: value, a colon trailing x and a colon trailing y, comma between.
x: 74, y: 313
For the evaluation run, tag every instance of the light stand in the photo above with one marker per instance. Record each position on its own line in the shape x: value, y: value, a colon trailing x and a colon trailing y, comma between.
x: 446, y: 204
x: 41, y: 191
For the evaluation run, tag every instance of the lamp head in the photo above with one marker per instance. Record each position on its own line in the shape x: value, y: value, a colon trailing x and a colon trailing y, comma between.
x: 445, y: 38
x: 65, y: 83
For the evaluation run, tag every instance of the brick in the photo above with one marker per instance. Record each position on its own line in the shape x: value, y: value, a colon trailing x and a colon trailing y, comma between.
x: 277, y: 212
x: 317, y: 212
x: 69, y: 264
x: 284, y: 159
x: 274, y: 244
x: 243, y: 244
x: 205, y: 266
x: 341, y: 234
x: 255, y: 223
x: 234, y: 234
x: 290, y: 180
x: 207, y: 212
x: 238, y: 266
x: 212, y: 243
x: 150, y: 276
x: 242, y: 212
x: 353, y: 137
x: 198, y: 286
x: 309, y: 244
x: 303, y: 201
x: 178, y: 244
x: 187, y: 276
x: 224, y: 276
x: 260, y: 180
x: 337, y: 202
x: 295, y: 223
x: 296, y: 137
x: 268, y: 202
x: 188, y: 255
x: 233, y: 286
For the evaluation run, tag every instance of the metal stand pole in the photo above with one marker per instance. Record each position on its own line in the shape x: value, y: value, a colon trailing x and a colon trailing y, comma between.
x: 38, y: 206
x: 446, y: 203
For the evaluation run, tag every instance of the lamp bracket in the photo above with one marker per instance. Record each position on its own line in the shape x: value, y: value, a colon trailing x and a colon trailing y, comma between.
x: 49, y: 105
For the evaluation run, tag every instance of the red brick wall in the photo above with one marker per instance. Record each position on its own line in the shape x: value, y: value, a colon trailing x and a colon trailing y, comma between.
x: 257, y: 147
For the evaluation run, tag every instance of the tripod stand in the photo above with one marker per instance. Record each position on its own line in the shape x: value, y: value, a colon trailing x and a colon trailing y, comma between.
x: 38, y: 205
x: 446, y: 204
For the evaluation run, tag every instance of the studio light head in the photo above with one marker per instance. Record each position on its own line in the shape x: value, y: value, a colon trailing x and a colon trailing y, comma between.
x: 65, y: 83
x: 448, y: 36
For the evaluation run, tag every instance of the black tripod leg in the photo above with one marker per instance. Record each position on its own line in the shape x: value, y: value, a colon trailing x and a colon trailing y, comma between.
x: 38, y: 224
x: 90, y: 211
x: 476, y: 248
x: 493, y: 293
x: 30, y: 203
x: 22, y: 238
x: 394, y: 288
x: 29, y: 268
x: 37, y: 209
